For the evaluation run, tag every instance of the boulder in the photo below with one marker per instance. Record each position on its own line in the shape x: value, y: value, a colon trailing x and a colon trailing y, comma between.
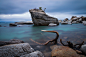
x: 11, y: 24
x: 52, y: 24
x: 63, y: 51
x: 64, y: 22
x: 59, y: 21
x: 15, y: 50
x: 40, y: 18
x: 33, y: 54
x: 83, y: 48
x: 84, y: 22
x: 13, y: 41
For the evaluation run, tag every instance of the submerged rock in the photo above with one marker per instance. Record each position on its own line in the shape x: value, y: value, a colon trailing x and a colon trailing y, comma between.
x: 13, y: 41
x: 11, y: 24
x: 63, y: 51
x: 33, y: 54
x: 15, y: 50
x: 40, y: 18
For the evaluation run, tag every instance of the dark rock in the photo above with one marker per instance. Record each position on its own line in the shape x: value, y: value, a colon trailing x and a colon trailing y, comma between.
x: 22, y: 23
x: 0, y: 26
x: 13, y: 41
x: 63, y: 51
x: 40, y: 18
x: 11, y: 24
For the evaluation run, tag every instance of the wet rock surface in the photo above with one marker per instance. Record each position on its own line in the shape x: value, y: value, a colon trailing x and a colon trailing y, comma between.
x: 63, y: 51
x: 40, y: 18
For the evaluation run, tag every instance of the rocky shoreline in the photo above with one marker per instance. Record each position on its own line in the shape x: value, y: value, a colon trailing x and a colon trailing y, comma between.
x: 17, y: 48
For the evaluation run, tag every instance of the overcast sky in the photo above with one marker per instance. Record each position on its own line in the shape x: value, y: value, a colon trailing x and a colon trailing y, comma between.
x: 18, y: 10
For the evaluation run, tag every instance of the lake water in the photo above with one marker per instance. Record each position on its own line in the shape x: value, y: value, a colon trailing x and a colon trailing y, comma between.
x: 76, y: 33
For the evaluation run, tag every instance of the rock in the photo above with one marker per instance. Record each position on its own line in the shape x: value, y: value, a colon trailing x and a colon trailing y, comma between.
x: 52, y: 24
x: 83, y: 48
x: 65, y: 19
x: 0, y: 26
x: 33, y: 54
x: 22, y: 23
x: 84, y: 22
x: 11, y: 24
x: 13, y: 41
x: 63, y: 51
x: 64, y: 22
x: 83, y: 18
x: 74, y: 22
x: 15, y: 50
x: 40, y: 18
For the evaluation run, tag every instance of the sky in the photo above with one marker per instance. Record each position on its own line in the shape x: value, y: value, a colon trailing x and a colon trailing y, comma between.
x: 18, y: 10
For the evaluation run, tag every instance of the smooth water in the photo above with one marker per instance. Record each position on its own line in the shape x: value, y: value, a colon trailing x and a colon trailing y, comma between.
x: 75, y: 33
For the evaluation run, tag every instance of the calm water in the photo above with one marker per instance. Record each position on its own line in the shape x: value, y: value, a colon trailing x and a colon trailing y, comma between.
x: 75, y: 33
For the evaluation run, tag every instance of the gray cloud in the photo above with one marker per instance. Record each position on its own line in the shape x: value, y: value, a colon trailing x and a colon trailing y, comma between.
x: 21, y: 6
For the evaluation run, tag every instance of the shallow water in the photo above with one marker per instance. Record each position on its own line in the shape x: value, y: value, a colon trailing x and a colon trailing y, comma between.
x: 75, y: 33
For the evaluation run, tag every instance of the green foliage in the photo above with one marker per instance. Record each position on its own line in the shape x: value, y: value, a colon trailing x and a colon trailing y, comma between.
x: 40, y: 8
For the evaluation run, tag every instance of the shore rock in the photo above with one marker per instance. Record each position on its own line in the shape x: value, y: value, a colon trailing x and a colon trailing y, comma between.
x: 22, y: 23
x: 83, y: 48
x: 63, y: 51
x: 13, y: 41
x: 33, y: 54
x: 15, y: 50
x: 40, y: 18
x: 11, y: 24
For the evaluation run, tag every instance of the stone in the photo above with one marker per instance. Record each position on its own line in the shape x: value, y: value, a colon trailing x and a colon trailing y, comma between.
x: 83, y: 48
x: 13, y: 41
x: 64, y: 22
x: 15, y: 50
x: 59, y: 21
x: 33, y: 54
x: 52, y: 24
x: 40, y: 18
x: 11, y: 24
x: 63, y: 51
x: 84, y: 22
x: 22, y: 23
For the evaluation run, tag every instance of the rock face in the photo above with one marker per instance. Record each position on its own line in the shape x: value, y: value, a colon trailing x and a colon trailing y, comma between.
x: 33, y: 54
x: 15, y: 50
x: 40, y: 18
x: 63, y: 51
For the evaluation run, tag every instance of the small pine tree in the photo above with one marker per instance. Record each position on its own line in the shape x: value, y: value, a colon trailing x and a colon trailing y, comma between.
x: 40, y: 8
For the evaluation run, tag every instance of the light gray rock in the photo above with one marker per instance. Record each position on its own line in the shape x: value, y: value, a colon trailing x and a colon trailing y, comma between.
x: 52, y: 24
x: 15, y: 50
x: 33, y: 54
x: 83, y: 48
x: 84, y: 22
x: 40, y: 18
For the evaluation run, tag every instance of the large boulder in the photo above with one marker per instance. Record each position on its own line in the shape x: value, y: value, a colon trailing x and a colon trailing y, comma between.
x: 15, y: 50
x: 11, y: 24
x: 40, y: 18
x: 63, y: 51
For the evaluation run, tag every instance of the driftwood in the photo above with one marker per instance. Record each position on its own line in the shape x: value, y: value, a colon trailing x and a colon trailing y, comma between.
x: 71, y: 45
x: 52, y: 41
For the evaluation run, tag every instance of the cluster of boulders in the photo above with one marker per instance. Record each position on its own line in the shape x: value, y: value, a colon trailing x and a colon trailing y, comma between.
x: 18, y: 49
x: 74, y: 19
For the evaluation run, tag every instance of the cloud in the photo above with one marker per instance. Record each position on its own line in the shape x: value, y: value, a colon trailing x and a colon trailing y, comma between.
x: 21, y: 6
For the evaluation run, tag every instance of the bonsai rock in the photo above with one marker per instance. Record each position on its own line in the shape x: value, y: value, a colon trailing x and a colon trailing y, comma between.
x: 40, y: 18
